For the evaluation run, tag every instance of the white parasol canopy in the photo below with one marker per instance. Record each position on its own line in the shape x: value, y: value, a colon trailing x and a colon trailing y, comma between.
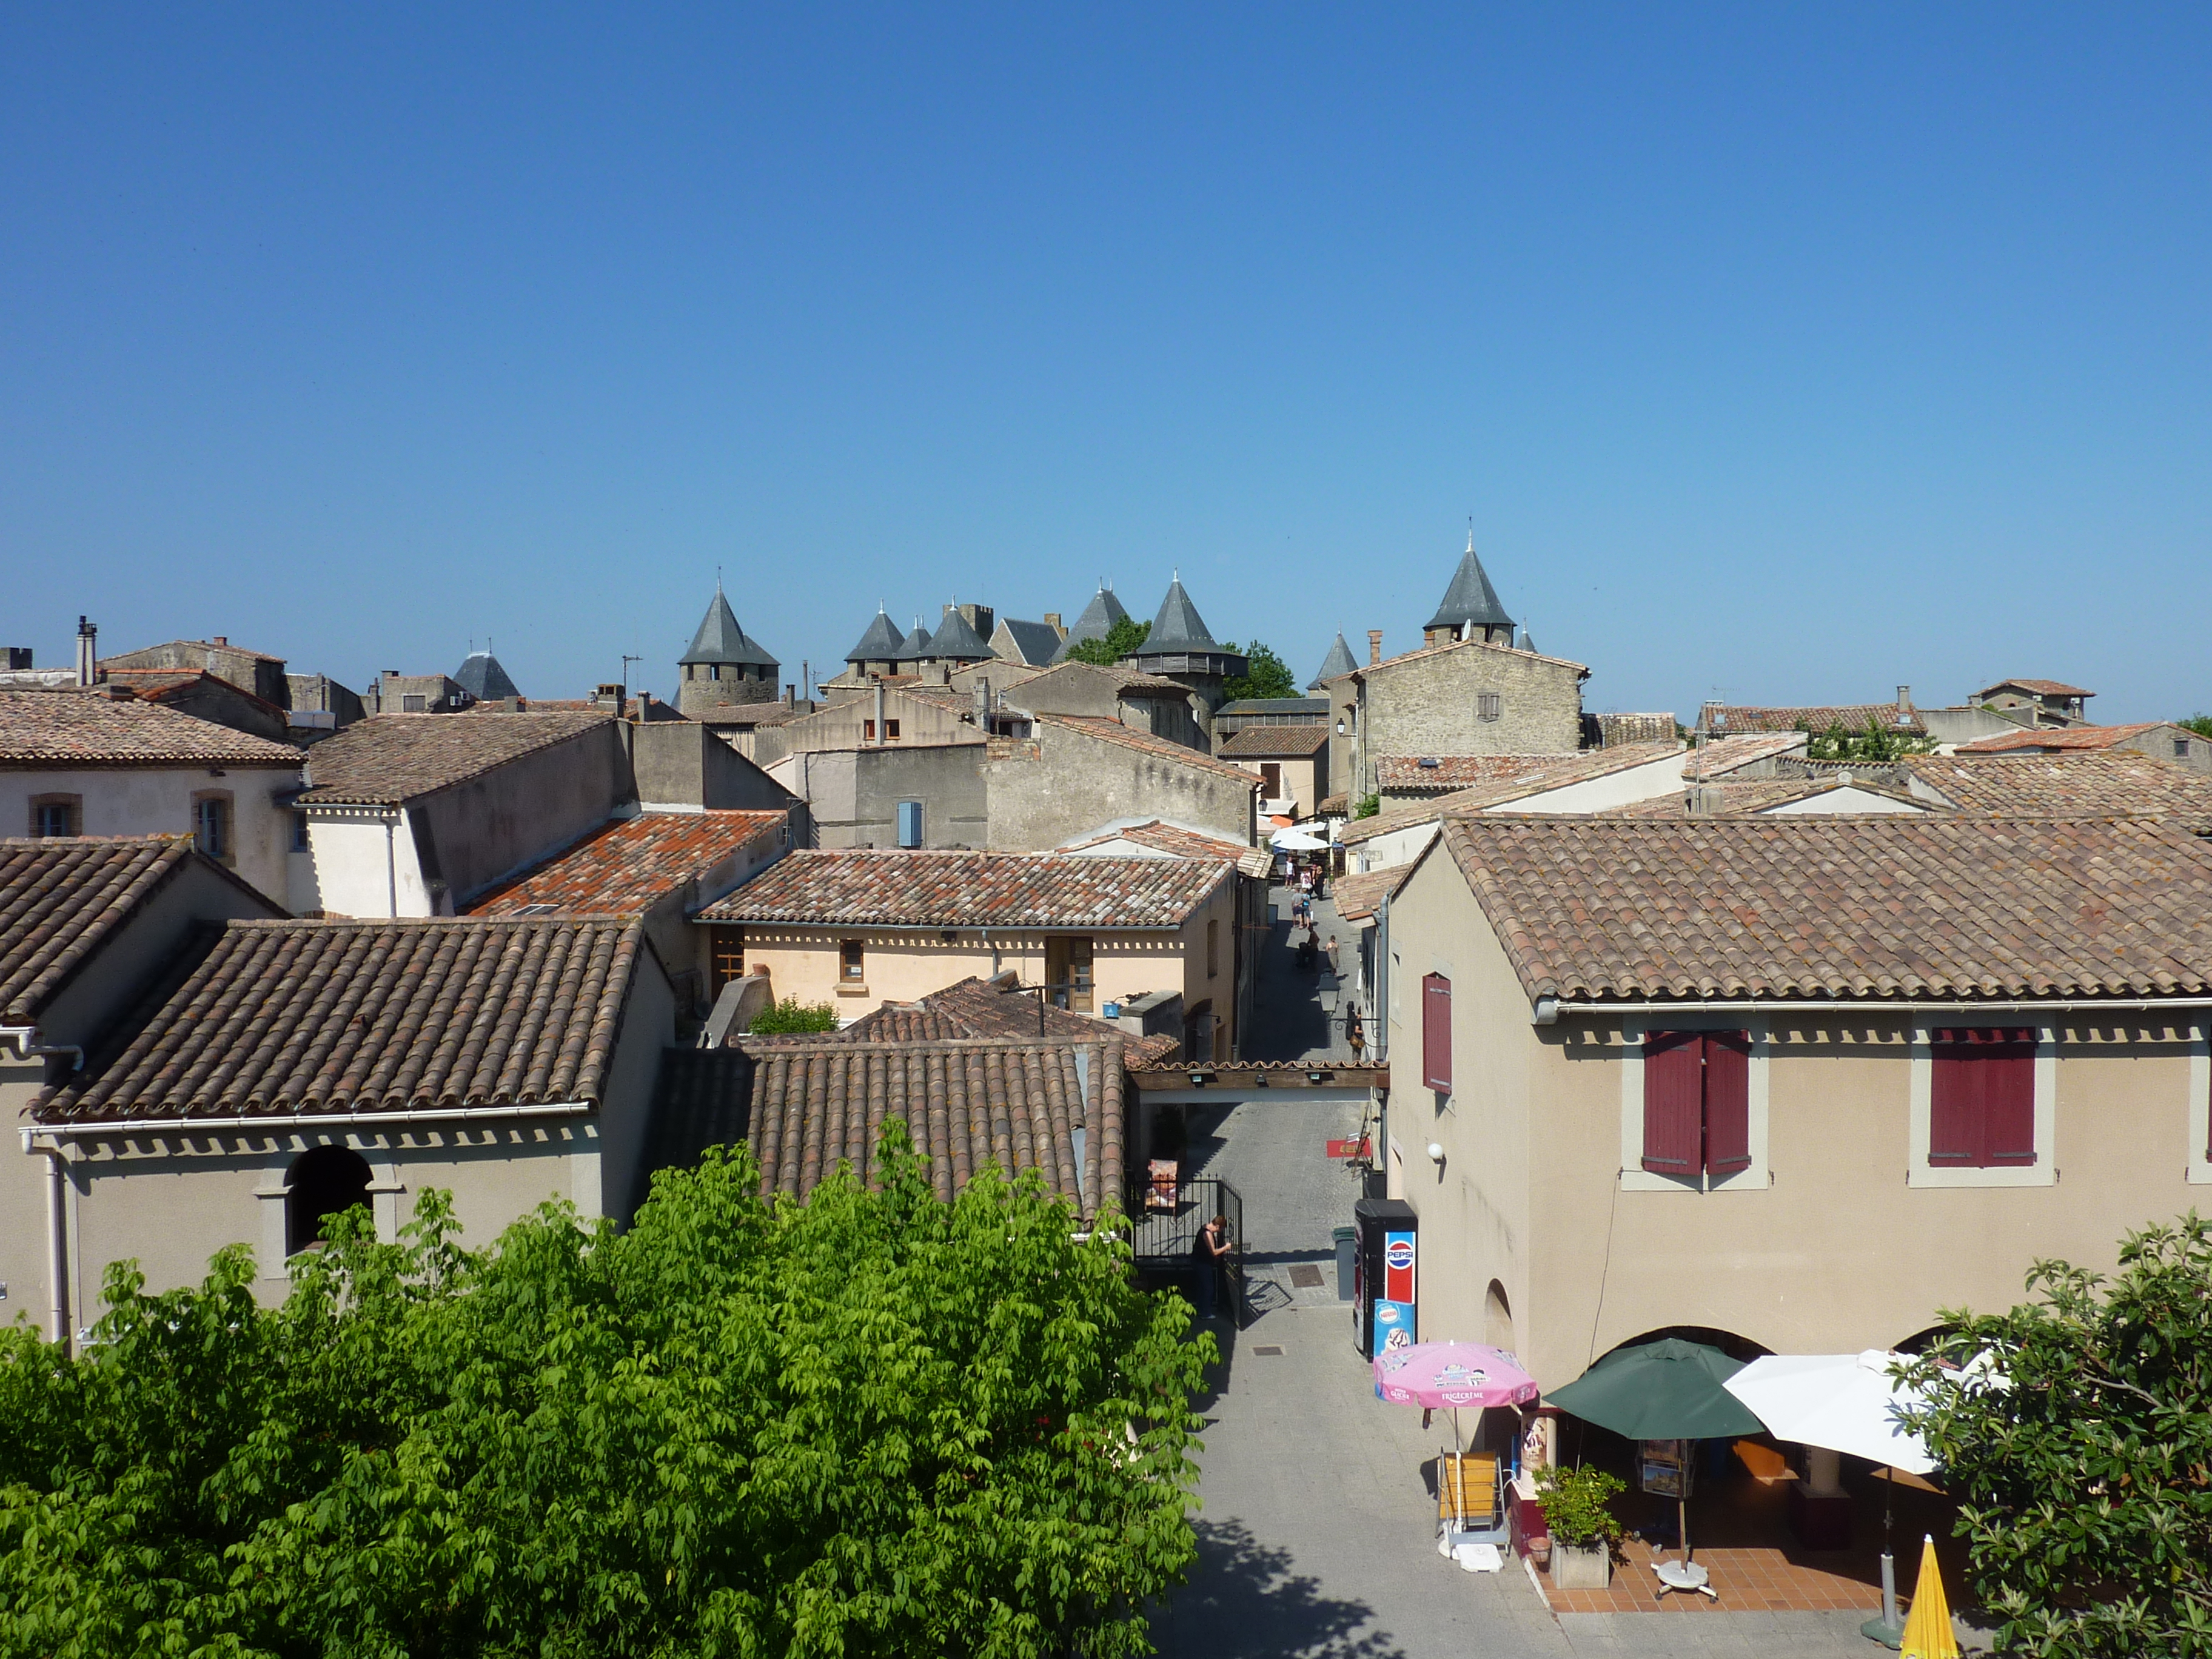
x: 1296, y: 840
x: 1845, y: 1402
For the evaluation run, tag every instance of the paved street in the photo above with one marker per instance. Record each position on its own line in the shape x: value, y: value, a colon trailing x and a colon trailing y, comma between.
x: 1288, y: 1020
x: 1315, y: 1529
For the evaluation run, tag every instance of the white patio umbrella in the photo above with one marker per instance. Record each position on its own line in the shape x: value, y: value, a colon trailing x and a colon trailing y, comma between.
x: 1842, y: 1402
x: 1297, y: 840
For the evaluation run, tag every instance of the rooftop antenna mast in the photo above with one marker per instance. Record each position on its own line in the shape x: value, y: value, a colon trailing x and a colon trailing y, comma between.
x: 626, y: 660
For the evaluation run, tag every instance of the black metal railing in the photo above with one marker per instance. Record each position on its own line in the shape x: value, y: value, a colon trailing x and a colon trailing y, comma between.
x: 1161, y: 1236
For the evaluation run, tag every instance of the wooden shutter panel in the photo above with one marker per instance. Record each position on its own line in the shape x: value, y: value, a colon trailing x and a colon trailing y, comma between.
x: 1727, y: 1103
x: 1955, y: 1114
x: 2007, y: 1066
x: 1674, y: 1103
x: 1436, y: 1032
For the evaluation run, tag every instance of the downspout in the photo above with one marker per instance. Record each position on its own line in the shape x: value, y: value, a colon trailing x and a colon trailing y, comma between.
x: 57, y: 1329
x: 390, y: 867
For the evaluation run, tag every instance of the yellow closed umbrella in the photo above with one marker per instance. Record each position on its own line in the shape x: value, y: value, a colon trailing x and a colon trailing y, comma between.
x: 1928, y: 1627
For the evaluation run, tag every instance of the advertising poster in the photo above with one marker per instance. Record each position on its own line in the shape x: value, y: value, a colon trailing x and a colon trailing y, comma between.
x: 1393, y: 1309
x: 1664, y: 1467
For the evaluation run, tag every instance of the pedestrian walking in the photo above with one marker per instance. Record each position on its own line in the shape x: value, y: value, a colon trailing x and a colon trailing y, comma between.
x: 1331, y: 950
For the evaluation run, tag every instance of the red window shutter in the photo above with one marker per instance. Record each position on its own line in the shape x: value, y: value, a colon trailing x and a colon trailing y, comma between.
x: 1727, y: 1103
x: 2008, y: 1098
x: 1956, y: 1118
x: 1674, y: 1103
x: 1436, y: 1032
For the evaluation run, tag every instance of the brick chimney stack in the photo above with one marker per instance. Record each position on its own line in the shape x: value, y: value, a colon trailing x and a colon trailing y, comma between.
x: 1374, y: 646
x: 87, y: 638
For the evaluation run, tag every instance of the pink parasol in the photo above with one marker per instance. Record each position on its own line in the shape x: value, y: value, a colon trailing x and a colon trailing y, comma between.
x: 1452, y: 1374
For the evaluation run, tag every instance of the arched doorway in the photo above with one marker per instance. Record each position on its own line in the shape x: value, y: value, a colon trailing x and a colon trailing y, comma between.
x: 1497, y: 1318
x: 323, y: 1182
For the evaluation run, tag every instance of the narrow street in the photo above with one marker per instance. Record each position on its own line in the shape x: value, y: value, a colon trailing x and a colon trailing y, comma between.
x: 1289, y: 1021
x: 1316, y: 1526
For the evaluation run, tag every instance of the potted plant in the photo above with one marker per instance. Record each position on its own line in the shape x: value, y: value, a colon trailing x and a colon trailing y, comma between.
x: 1583, y: 1528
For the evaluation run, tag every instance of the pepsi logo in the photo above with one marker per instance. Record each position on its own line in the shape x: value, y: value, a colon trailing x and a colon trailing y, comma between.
x: 1399, y: 1254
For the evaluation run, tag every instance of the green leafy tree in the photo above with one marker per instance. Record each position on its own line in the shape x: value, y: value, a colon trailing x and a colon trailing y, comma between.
x: 1266, y: 674
x: 1367, y: 806
x: 1873, y: 745
x: 1122, y: 641
x: 790, y: 1014
x: 2200, y: 724
x: 873, y: 1425
x: 2075, y: 1432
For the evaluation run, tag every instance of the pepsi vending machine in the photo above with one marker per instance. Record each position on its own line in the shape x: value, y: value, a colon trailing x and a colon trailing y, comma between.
x: 1385, y: 1268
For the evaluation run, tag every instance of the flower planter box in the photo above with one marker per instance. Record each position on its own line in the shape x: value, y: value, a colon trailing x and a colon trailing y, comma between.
x: 1581, y: 1566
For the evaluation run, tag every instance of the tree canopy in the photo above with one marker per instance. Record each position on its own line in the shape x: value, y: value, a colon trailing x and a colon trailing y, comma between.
x: 875, y: 1424
x: 790, y: 1015
x: 1266, y: 674
x: 2075, y: 1432
x: 1122, y: 641
x: 2200, y: 724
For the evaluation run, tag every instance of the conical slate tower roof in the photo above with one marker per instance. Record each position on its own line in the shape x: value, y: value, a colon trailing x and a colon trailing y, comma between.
x: 1178, y: 627
x: 916, y: 646
x: 956, y: 640
x: 1338, y: 661
x: 719, y: 640
x: 1470, y: 600
x: 1096, y: 621
x: 482, y: 678
x: 881, y: 643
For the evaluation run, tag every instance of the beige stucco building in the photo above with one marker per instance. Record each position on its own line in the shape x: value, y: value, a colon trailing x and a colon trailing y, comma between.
x: 1828, y: 1182
x: 857, y: 930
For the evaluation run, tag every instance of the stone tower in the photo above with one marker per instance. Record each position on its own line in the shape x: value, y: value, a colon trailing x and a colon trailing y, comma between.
x: 723, y: 665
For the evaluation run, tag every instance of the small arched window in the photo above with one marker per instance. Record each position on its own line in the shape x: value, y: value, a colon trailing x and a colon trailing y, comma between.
x: 325, y: 1182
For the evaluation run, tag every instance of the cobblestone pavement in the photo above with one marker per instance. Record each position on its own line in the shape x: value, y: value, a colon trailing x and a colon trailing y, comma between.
x: 1316, y: 1526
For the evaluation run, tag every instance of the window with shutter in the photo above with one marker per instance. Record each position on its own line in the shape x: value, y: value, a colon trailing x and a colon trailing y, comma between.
x: 1697, y: 1103
x: 1982, y: 1098
x: 1674, y: 1103
x: 1727, y: 1103
x: 1435, y: 1033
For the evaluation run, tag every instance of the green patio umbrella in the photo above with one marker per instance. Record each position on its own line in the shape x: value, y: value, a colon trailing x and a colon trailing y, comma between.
x: 1663, y: 1390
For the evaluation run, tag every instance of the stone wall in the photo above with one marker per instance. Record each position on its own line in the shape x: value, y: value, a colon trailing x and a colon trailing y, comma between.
x: 1429, y: 703
x: 852, y: 794
x: 1046, y: 791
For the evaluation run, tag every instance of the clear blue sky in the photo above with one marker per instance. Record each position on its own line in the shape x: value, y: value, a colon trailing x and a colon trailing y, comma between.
x: 1783, y: 352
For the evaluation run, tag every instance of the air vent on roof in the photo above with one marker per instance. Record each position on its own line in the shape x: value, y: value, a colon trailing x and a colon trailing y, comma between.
x: 537, y: 910
x: 1429, y: 761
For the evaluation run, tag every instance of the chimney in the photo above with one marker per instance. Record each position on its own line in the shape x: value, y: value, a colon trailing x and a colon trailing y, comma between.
x: 1052, y: 620
x: 87, y: 637
x: 982, y: 704
x: 790, y: 696
x: 220, y: 638
x: 1904, y: 700
x: 879, y: 714
x: 1374, y: 646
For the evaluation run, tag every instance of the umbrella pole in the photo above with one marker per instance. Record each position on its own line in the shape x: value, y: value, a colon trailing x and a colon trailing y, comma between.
x: 1682, y: 1525
x: 1887, y: 1629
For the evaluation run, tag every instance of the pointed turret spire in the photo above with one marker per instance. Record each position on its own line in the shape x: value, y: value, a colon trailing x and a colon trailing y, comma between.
x: 881, y: 643
x: 1338, y: 661
x: 1096, y: 623
x: 1471, y: 603
x: 720, y: 642
x: 1179, y: 627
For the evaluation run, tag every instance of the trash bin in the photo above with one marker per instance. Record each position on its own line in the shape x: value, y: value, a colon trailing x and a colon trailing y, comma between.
x: 1344, y: 1248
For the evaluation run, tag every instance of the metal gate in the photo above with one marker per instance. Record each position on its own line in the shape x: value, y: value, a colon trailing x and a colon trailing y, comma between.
x: 1162, y: 1237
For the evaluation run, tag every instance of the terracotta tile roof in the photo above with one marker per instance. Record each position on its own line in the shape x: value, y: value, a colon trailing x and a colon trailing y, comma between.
x: 1270, y: 742
x: 1178, y: 841
x: 2042, y: 688
x: 966, y: 1103
x: 1616, y: 728
x: 628, y: 866
x: 1160, y: 748
x: 1741, y: 748
x: 2059, y: 739
x: 96, y: 727
x: 61, y: 900
x: 1357, y: 896
x: 1937, y: 909
x: 1332, y: 806
x: 1504, y: 779
x: 972, y: 1009
x: 390, y: 758
x: 1821, y: 719
x: 753, y: 714
x: 308, y: 1016
x: 971, y: 890
x: 2097, y: 783
x: 1750, y: 795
